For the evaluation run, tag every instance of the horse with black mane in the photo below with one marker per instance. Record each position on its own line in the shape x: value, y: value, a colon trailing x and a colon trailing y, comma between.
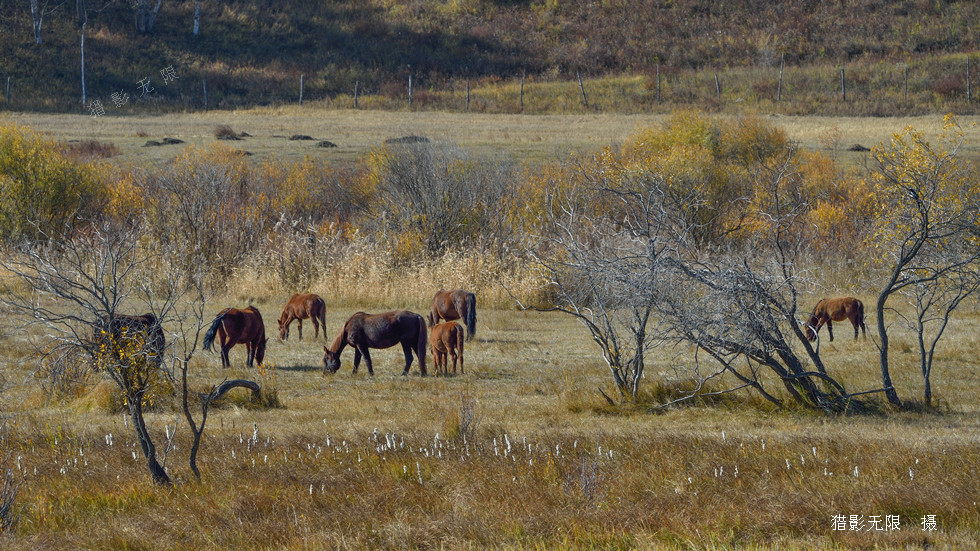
x: 454, y: 305
x: 235, y: 326
x: 365, y: 331
x: 830, y: 310
x: 299, y: 308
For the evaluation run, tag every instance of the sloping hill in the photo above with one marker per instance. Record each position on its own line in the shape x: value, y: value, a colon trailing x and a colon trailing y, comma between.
x: 253, y: 52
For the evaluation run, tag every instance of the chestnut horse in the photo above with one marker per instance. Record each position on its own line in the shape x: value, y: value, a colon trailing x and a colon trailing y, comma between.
x: 830, y: 310
x: 446, y: 338
x: 299, y: 308
x: 454, y: 305
x: 123, y: 326
x: 364, y: 331
x: 234, y: 326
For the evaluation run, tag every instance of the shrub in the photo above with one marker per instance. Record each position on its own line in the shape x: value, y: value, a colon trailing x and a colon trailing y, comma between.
x: 42, y: 190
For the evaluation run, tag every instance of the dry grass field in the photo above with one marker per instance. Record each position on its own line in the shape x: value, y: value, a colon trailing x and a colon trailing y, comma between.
x: 525, y: 137
x: 521, y: 450
x: 518, y: 452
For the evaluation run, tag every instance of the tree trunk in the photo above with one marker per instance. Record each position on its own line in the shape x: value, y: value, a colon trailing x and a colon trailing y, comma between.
x: 197, y: 16
x: 37, y: 16
x: 143, y: 437
x: 83, y: 63
x: 886, y: 379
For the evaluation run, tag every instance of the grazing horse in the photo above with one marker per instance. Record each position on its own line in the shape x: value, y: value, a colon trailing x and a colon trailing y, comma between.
x: 299, y: 308
x: 234, y: 326
x: 124, y: 327
x: 454, y: 305
x: 364, y: 331
x: 830, y: 310
x: 446, y: 338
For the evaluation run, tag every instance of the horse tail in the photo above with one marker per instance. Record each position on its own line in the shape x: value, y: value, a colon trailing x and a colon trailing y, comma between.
x: 422, y: 344
x: 470, y: 317
x: 323, y: 315
x: 860, y: 317
x: 212, y: 331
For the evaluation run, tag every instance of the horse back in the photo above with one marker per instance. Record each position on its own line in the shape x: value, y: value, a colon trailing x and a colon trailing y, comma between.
x: 383, y: 330
x: 243, y: 325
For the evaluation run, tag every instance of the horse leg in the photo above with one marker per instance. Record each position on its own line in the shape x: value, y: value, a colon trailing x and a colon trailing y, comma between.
x: 357, y: 359
x: 225, y: 362
x: 407, y: 349
x: 830, y: 329
x: 249, y: 354
x: 367, y: 360
x: 299, y: 327
x: 452, y: 352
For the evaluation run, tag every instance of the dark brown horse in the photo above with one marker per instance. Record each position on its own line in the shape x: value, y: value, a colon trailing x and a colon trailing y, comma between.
x: 830, y: 310
x: 454, y: 305
x: 124, y: 327
x: 365, y: 331
x: 234, y: 326
x: 446, y: 338
x: 299, y: 308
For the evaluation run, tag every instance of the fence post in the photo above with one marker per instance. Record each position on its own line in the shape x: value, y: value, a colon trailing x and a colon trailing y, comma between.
x: 582, y: 88
x: 357, y: 84
x: 8, y: 89
x: 843, y: 88
x: 717, y: 86
x: 779, y: 84
x: 658, y: 82
x: 969, y: 91
x: 523, y: 75
x: 301, y: 89
x: 467, y: 96
x: 410, y: 91
x: 205, y: 83
x: 906, y: 94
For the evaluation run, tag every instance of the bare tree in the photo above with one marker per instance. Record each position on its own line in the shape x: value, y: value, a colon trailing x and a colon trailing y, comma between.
x: 442, y: 195
x: 145, y: 14
x: 925, y: 236
x: 934, y: 303
x: 39, y: 10
x: 606, y: 273
x: 631, y: 264
x: 77, y: 289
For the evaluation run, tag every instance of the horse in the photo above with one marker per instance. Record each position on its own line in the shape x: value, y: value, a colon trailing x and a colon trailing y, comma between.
x: 234, y: 326
x: 454, y: 305
x: 446, y: 338
x: 830, y: 310
x: 364, y: 331
x: 300, y: 307
x: 122, y: 327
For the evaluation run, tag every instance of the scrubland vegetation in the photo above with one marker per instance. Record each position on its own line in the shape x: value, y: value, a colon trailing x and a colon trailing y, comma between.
x: 713, y: 423
x: 253, y: 52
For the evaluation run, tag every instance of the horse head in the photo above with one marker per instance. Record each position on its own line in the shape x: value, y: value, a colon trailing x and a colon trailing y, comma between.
x: 331, y: 361
x: 260, y: 351
x: 283, y: 329
x: 808, y: 330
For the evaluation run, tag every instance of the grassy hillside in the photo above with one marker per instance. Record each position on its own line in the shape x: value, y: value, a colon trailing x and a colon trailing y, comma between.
x: 253, y: 53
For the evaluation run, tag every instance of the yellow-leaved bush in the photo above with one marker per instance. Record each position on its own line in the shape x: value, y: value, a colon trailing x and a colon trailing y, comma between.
x: 42, y: 191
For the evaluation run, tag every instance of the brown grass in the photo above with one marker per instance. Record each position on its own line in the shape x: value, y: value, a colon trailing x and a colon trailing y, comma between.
x: 536, y: 137
x: 519, y: 452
